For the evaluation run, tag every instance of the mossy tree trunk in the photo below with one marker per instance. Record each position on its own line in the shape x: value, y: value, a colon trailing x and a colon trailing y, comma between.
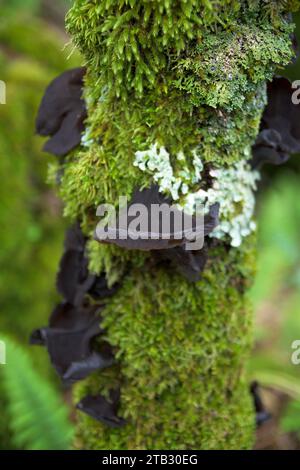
x: 177, y: 75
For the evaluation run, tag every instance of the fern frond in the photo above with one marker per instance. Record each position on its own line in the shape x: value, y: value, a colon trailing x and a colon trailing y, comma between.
x: 38, y: 419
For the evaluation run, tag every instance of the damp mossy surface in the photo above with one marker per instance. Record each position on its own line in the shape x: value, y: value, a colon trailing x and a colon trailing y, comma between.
x: 182, y: 74
x: 180, y: 349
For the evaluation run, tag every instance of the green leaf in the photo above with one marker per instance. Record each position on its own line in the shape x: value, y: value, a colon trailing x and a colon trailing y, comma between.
x: 38, y: 418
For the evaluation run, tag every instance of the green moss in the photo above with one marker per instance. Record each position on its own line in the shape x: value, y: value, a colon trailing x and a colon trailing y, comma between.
x: 130, y: 41
x: 223, y: 69
x: 181, y: 347
x: 103, y: 172
x: 221, y: 81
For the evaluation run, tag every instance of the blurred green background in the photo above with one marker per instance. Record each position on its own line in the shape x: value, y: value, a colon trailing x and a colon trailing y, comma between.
x: 35, y: 412
x: 32, y: 53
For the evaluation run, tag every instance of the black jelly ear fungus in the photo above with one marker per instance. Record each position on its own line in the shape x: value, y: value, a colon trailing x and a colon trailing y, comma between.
x: 100, y: 289
x: 269, y: 148
x: 282, y: 113
x: 62, y: 112
x: 74, y: 280
x: 189, y: 264
x: 280, y: 125
x: 262, y: 415
x: 68, y: 339
x: 102, y: 410
x: 211, y: 220
x: 142, y: 224
x: 75, y: 239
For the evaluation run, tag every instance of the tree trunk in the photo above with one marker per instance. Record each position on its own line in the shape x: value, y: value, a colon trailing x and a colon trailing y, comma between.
x: 175, y: 93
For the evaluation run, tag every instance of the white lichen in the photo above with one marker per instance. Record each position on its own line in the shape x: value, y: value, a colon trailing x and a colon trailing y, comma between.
x: 157, y: 161
x: 233, y: 188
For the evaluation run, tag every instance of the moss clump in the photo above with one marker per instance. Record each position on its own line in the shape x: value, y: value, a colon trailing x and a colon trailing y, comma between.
x: 131, y: 42
x: 209, y: 95
x: 128, y: 39
x: 181, y: 347
x: 100, y: 173
x: 224, y: 69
